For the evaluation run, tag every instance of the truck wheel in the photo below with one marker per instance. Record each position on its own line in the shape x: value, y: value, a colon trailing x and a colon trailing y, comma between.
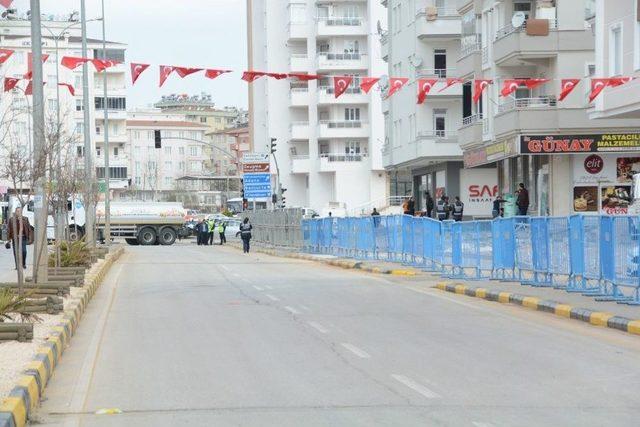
x: 132, y: 242
x: 147, y: 236
x: 167, y: 236
x: 75, y: 233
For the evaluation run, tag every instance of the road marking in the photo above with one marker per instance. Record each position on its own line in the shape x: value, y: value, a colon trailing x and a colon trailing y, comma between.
x: 292, y: 310
x: 257, y: 288
x: 236, y: 274
x: 268, y: 287
x: 355, y: 350
x: 224, y: 267
x: 318, y: 327
x: 481, y: 424
x: 419, y: 388
x: 272, y: 298
x: 304, y: 307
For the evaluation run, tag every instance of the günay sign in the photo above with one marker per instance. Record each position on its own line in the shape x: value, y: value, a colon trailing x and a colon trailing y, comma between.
x: 478, y: 189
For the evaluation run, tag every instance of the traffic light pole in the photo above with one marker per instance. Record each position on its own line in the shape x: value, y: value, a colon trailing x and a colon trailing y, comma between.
x: 89, y: 203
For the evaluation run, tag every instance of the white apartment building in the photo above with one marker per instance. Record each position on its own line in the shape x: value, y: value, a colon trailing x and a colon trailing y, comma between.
x: 154, y: 171
x: 328, y: 149
x: 548, y: 39
x: 421, y: 149
x: 61, y: 37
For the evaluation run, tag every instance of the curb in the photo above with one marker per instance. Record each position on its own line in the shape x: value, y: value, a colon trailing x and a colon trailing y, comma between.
x: 25, y: 396
x: 597, y: 318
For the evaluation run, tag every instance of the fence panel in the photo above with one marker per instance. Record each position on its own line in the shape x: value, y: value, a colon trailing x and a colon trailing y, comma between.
x: 559, y: 250
x: 432, y: 244
x: 484, y: 231
x: 626, y: 237
x: 447, y: 247
x: 523, y: 250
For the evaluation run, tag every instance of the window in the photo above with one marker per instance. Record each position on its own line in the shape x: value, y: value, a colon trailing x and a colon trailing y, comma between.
x: 168, y: 165
x: 151, y: 165
x: 79, y: 128
x: 181, y: 166
x: 150, y: 135
x: 352, y: 148
x: 181, y: 151
x: 79, y: 105
x: 522, y: 6
x: 119, y: 103
x: 137, y: 171
x: 79, y: 151
x: 98, y: 130
x: 116, y: 151
x: 137, y: 150
x: 439, y: 122
x: 193, y: 149
x: 195, y: 166
x: 168, y: 181
x: 138, y: 180
x: 112, y: 54
x: 615, y: 50
x: 114, y: 172
x: 98, y: 151
x: 440, y: 62
x: 78, y: 81
x: 203, y: 120
x: 352, y: 114
x: 167, y: 151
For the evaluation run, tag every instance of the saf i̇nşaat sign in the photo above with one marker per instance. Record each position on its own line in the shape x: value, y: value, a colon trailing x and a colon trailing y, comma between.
x: 479, y: 187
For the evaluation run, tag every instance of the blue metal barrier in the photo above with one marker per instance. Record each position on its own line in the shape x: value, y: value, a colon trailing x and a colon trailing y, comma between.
x: 540, y: 251
x: 504, y: 248
x: 523, y: 249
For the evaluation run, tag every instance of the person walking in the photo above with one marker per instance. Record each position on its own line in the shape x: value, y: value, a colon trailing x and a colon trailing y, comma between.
x: 245, y: 235
x: 457, y: 209
x: 497, y: 208
x: 442, y: 208
x: 430, y: 203
x: 211, y: 228
x: 222, y: 227
x: 376, y: 217
x: 19, y: 236
x: 522, y: 201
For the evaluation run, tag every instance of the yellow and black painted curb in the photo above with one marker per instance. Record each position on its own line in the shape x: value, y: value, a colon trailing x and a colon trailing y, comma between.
x: 597, y: 318
x: 25, y: 396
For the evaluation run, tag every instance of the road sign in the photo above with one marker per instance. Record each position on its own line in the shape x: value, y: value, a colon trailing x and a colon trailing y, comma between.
x: 255, y: 167
x: 257, y: 185
x: 255, y: 158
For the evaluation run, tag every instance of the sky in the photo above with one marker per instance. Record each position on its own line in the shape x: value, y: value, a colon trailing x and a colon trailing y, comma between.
x: 191, y: 33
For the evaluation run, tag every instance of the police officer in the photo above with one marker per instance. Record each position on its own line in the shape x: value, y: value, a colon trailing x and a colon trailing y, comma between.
x: 457, y: 209
x: 442, y: 208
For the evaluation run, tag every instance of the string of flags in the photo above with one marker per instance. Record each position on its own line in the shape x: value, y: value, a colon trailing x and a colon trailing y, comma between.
x: 340, y: 83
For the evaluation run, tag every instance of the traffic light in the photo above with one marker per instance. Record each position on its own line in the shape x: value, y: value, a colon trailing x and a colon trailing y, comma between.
x: 158, y: 138
x: 274, y: 198
x: 273, y: 145
x: 282, y: 198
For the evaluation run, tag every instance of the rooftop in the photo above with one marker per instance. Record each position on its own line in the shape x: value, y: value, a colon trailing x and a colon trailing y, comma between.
x: 164, y: 124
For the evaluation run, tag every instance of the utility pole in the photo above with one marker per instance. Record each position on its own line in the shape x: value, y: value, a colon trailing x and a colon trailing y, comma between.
x: 107, y: 171
x: 90, y: 209
x: 41, y: 255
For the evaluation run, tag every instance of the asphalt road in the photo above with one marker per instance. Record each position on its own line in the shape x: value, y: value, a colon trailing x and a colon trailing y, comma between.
x: 207, y: 336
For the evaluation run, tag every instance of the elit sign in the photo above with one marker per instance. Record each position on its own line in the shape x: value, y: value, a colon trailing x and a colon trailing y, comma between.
x: 571, y: 144
x: 593, y: 164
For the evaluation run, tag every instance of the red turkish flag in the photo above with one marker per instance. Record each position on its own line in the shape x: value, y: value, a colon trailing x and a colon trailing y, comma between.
x: 250, y: 76
x: 102, y: 64
x: 72, y: 90
x: 510, y: 85
x: 305, y: 77
x: 29, y: 89
x: 277, y: 76
x: 395, y: 83
x: 424, y: 86
x: 6, y: 3
x: 136, y: 70
x: 184, y: 71
x: 73, y: 62
x: 4, y: 55
x: 367, y: 83
x: 619, y: 81
x: 450, y: 82
x: 165, y: 71
x: 534, y: 83
x: 341, y: 84
x: 10, y: 83
x: 567, y: 86
x: 211, y: 73
x: 29, y: 74
x: 597, y: 86
x: 479, y: 85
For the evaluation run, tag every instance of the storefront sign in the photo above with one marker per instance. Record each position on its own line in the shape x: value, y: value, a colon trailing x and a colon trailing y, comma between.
x: 593, y: 164
x: 490, y: 153
x: 474, y: 157
x: 478, y: 189
x: 568, y: 144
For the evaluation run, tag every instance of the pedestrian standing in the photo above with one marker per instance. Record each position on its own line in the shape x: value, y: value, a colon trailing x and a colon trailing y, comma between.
x: 245, y: 235
x: 522, y: 201
x: 430, y: 203
x: 411, y: 207
x: 211, y: 230
x: 457, y: 209
x: 203, y: 232
x: 19, y: 236
x: 222, y: 227
x: 442, y: 208
x: 497, y: 209
x: 376, y: 217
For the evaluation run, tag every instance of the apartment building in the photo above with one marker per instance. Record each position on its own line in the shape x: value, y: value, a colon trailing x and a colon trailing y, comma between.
x: 421, y: 149
x: 328, y: 148
x: 61, y: 37
x: 524, y: 135
x: 232, y: 144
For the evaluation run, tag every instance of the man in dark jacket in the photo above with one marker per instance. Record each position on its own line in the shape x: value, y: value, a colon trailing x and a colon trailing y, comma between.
x: 430, y: 203
x: 522, y: 202
x: 457, y: 209
x: 19, y: 234
x: 245, y: 235
x: 442, y: 208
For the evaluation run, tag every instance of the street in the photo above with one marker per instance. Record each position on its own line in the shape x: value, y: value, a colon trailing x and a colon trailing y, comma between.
x: 188, y: 335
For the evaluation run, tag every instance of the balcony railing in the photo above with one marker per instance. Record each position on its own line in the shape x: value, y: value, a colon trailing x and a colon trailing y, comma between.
x: 346, y: 21
x: 299, y: 157
x: 299, y: 90
x: 469, y: 48
x: 347, y: 124
x: 437, y: 134
x: 343, y: 157
x: 485, y: 54
x: 351, y: 56
x: 510, y: 29
x: 442, y: 12
x: 296, y: 124
x: 330, y: 90
x: 472, y: 119
x: 435, y: 72
x: 528, y: 103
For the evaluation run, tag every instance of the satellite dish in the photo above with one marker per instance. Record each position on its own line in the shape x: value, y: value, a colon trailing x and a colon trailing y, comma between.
x: 517, y: 21
x: 416, y: 61
x: 383, y: 82
x: 379, y: 25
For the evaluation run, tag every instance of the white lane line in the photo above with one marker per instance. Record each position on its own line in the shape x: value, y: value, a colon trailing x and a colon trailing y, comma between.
x: 355, y: 350
x: 481, y: 424
x: 224, y: 267
x: 419, y: 388
x: 236, y: 274
x: 257, y: 288
x: 318, y: 327
x: 272, y: 298
x: 292, y: 310
x: 268, y: 287
x: 304, y: 307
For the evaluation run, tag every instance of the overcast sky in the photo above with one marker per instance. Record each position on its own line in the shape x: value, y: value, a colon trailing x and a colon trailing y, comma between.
x: 198, y: 33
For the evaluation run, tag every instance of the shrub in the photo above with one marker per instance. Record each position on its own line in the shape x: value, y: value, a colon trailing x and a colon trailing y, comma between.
x: 12, y: 304
x: 72, y: 254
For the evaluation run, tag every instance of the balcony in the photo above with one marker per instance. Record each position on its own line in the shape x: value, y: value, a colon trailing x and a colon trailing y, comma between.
x: 440, y: 136
x: 118, y: 138
x: 532, y: 115
x: 445, y: 24
x: 332, y: 162
x: 384, y: 46
x: 471, y: 131
x: 470, y: 59
x: 440, y: 73
x: 329, y: 129
x: 300, y: 163
x: 341, y: 26
x: 299, y: 97
x: 298, y: 30
x: 299, y: 130
x: 352, y: 95
x: 299, y: 63
x: 512, y: 45
x: 341, y: 61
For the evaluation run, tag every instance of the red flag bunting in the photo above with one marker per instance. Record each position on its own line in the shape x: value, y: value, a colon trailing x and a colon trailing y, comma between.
x: 102, y: 64
x: 73, y: 62
x: 6, y: 3
x: 184, y: 71
x: 479, y: 85
x: 29, y: 89
x: 618, y: 81
x: 450, y: 82
x: 367, y: 83
x: 211, y: 73
x: 534, y: 83
x: 250, y: 76
x: 277, y: 76
x: 72, y: 90
x: 305, y: 77
x: 4, y: 55
x: 395, y: 83
x: 509, y: 86
x: 597, y: 86
x: 29, y: 74
x: 136, y: 70
x: 10, y: 83
x: 165, y: 71
x: 340, y: 84
x: 566, y: 87
x: 424, y: 86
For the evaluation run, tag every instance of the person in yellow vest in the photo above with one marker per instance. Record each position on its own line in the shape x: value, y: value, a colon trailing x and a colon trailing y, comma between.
x: 222, y: 227
x: 212, y: 228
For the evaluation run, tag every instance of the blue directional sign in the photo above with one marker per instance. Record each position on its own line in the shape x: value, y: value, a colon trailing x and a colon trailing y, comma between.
x: 257, y: 185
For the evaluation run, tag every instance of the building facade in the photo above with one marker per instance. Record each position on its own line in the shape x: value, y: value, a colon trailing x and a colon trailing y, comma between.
x: 231, y: 144
x: 328, y: 149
